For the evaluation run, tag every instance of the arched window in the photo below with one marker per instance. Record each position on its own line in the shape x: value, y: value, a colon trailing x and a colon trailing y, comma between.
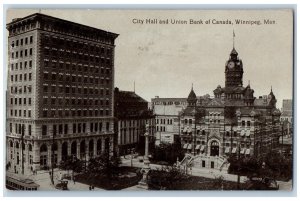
x: 43, y: 148
x: 30, y: 147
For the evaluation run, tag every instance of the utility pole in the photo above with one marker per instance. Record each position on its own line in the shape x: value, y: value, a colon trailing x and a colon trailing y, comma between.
x: 22, y: 146
x: 282, y: 137
x: 239, y: 168
x: 52, y: 158
x: 195, y: 132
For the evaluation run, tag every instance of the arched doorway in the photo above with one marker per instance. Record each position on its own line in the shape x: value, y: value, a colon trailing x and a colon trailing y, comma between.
x: 82, y: 150
x: 54, y: 154
x: 107, y: 145
x: 91, y: 148
x: 64, y: 151
x: 214, y: 148
x: 43, y: 155
x: 99, y: 146
x: 74, y: 149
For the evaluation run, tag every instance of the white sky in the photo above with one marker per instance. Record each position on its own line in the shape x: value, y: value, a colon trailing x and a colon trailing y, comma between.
x: 165, y: 60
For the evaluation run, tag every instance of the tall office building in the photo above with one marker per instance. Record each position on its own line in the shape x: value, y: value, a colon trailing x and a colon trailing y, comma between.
x: 59, y: 92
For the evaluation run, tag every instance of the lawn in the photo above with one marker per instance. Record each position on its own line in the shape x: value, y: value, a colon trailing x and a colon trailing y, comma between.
x: 126, y: 178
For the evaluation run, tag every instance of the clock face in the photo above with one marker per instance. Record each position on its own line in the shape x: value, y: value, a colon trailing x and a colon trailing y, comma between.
x: 231, y: 64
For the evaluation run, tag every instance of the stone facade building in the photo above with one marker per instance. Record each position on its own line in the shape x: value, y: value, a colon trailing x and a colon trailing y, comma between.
x: 234, y: 122
x: 132, y: 119
x: 166, y: 112
x: 59, y: 91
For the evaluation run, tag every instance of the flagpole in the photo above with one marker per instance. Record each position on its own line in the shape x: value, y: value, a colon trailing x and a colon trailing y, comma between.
x: 233, y: 35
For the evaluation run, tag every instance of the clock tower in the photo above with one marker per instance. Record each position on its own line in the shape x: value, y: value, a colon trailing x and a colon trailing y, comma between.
x: 234, y: 70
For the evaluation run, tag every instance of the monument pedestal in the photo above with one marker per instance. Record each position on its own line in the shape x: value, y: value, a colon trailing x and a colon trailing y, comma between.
x: 144, y: 183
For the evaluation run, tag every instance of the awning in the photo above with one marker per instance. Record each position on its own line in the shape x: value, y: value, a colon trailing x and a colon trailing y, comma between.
x: 185, y: 146
x: 198, y: 146
x: 202, y: 148
x: 247, y: 151
x: 233, y: 150
x: 242, y: 151
x: 190, y: 146
x: 227, y: 150
x: 248, y: 133
x: 242, y: 132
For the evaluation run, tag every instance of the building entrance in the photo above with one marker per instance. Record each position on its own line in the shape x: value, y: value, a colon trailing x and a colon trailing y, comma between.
x: 214, y: 148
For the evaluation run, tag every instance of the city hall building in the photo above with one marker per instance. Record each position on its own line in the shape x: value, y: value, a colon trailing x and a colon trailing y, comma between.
x: 234, y: 122
x: 59, y: 92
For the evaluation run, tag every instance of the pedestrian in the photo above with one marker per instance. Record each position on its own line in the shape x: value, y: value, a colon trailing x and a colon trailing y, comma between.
x: 90, y: 188
x: 74, y: 180
x: 93, y: 187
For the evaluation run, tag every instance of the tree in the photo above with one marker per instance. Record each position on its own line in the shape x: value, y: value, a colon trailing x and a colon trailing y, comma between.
x: 104, y: 165
x: 165, y: 178
x: 272, y: 164
x: 168, y: 152
x: 71, y: 163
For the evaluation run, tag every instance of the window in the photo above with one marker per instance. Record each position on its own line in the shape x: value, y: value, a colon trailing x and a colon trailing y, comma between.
x: 107, y: 126
x: 44, y: 130
x: 29, y: 113
x: 83, y: 127
x: 29, y: 77
x: 54, y: 129
x: 248, y: 123
x: 74, y: 128
x: 66, y: 129
x: 30, y: 40
x: 29, y: 129
x: 243, y: 123
x: 92, y: 127
x: 29, y: 101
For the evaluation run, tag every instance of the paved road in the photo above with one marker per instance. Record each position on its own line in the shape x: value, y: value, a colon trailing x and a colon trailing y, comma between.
x: 43, y: 179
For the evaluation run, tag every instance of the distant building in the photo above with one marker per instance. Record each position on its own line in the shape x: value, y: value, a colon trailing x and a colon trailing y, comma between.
x: 232, y: 123
x: 287, y: 110
x: 132, y: 118
x: 59, y: 92
x: 166, y: 112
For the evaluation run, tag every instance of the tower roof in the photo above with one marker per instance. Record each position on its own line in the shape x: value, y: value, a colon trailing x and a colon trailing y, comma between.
x: 233, y: 52
x: 192, y: 95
